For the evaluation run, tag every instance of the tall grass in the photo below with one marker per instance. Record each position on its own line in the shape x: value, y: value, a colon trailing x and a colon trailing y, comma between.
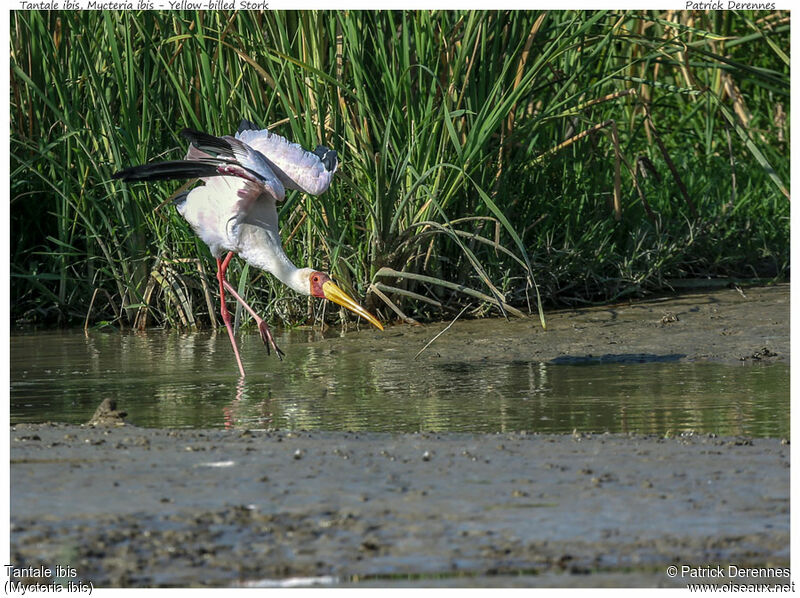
x: 464, y: 172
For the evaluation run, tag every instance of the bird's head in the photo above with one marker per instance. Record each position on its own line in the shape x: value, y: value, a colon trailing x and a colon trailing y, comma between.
x: 320, y: 285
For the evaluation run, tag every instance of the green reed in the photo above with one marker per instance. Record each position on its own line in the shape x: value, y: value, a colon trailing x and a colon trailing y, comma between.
x: 464, y: 177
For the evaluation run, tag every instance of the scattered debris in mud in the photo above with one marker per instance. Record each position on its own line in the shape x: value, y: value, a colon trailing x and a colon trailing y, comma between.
x: 761, y: 354
x: 107, y: 415
x: 134, y: 507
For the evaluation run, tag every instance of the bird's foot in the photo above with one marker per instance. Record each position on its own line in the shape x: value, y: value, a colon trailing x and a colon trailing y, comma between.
x: 266, y: 337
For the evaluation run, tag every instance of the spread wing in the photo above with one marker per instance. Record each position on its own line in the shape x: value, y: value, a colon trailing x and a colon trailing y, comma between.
x: 209, y: 157
x: 295, y: 167
x: 256, y: 155
x: 234, y: 158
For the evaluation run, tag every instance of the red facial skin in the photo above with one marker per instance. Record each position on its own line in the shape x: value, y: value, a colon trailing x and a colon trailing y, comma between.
x: 317, y: 280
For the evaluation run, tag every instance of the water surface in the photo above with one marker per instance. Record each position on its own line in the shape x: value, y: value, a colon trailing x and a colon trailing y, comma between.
x: 169, y: 379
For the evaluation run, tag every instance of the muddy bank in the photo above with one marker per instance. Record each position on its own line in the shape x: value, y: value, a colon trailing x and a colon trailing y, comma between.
x: 128, y: 506
x: 725, y: 325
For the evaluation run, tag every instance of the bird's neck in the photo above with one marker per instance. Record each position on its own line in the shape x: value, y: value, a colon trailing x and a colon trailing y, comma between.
x: 271, y: 257
x: 289, y: 274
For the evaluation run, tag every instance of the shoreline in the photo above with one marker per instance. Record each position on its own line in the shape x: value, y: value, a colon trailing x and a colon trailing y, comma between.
x: 724, y: 325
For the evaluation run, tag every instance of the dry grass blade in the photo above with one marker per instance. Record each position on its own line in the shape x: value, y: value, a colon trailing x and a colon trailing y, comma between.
x: 616, y: 203
x: 428, y: 344
x: 140, y: 323
x: 577, y: 137
x: 617, y: 181
x: 471, y: 236
x: 174, y: 295
x: 390, y: 273
x: 207, y: 293
x: 373, y: 288
x: 405, y: 293
x: 117, y: 313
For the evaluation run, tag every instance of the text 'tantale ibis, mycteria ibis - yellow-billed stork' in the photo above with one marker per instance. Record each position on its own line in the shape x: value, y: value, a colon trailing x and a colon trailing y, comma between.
x: 235, y: 212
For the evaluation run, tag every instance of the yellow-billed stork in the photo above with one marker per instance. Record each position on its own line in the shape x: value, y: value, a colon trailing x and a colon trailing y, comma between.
x: 235, y: 211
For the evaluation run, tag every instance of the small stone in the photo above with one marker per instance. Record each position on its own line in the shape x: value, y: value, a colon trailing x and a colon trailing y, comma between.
x: 106, y: 414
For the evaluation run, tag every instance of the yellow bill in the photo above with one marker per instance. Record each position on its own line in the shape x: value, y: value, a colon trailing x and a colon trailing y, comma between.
x: 337, y: 295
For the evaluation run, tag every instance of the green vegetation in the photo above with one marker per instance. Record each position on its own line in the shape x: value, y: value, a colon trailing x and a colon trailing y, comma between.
x: 599, y: 154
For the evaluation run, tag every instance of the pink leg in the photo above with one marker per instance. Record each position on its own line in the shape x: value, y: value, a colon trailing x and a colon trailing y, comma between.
x: 222, y: 266
x: 266, y: 335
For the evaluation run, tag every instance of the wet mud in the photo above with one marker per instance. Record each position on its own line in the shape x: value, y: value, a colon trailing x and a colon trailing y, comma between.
x: 129, y: 507
x: 725, y: 325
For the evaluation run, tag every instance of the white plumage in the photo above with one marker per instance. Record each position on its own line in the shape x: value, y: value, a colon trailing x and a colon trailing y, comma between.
x: 231, y: 214
x: 297, y: 168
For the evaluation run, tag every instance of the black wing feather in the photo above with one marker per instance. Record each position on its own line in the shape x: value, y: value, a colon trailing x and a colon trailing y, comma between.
x: 209, y: 143
x: 247, y: 125
x: 164, y: 171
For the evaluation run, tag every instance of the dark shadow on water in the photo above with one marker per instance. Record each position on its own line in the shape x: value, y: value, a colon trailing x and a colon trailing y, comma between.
x: 616, y: 358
